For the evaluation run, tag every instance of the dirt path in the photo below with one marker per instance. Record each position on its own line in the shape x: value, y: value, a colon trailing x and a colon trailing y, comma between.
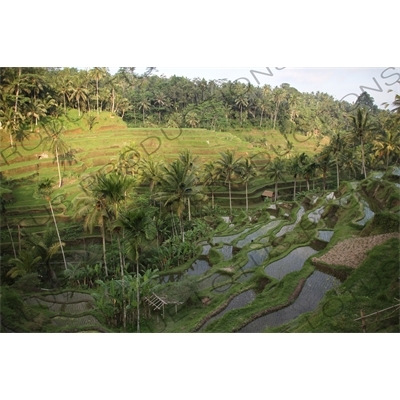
x: 352, y: 252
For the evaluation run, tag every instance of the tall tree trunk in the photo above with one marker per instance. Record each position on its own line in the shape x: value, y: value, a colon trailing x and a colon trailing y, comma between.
x: 113, y: 101
x: 97, y: 94
x: 16, y: 106
x: 262, y: 112
x: 364, y: 170
x: 103, y: 237
x: 294, y: 190
x: 190, y: 216
x: 182, y: 229
x: 59, y: 169
x: 19, y: 238
x: 58, y: 234
x: 12, y: 241
x: 230, y: 197
x: 123, y: 283
x: 247, y: 199
x: 337, y: 173
x: 137, y: 288
x: 276, y: 190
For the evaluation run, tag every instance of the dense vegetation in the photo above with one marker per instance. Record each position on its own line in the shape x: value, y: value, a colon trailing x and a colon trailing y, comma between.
x: 144, y: 169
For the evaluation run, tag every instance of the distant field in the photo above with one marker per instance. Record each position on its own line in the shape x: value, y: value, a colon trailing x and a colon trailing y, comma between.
x: 30, y: 161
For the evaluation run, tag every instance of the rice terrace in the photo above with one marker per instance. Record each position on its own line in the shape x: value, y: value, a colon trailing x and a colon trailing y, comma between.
x: 133, y: 202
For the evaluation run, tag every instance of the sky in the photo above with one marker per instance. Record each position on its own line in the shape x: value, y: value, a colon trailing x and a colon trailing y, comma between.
x: 341, y: 83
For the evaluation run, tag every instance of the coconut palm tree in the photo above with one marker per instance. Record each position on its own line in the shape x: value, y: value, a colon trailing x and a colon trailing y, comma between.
x: 144, y: 104
x: 278, y: 96
x: 336, y: 147
x: 242, y: 102
x: 35, y: 110
x: 161, y: 101
x: 294, y: 167
x: 44, y: 190
x: 361, y: 127
x: 247, y: 172
x: 128, y: 160
x: 386, y: 145
x: 227, y: 166
x: 151, y: 171
x: 139, y: 227
x: 210, y: 178
x: 97, y: 74
x: 55, y: 143
x: 94, y: 212
x: 79, y: 92
x: 179, y: 186
x: 276, y: 172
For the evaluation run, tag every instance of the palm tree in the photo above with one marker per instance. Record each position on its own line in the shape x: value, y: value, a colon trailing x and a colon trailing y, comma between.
x: 178, y: 185
x: 64, y: 87
x: 97, y: 74
x: 151, y: 171
x: 94, y: 212
x: 188, y: 160
x: 387, y: 144
x: 79, y: 92
x: 276, y: 172
x: 36, y: 109
x: 192, y: 119
x: 210, y: 178
x: 56, y: 143
x: 25, y: 263
x: 139, y: 228
x: 294, y: 168
x: 128, y: 160
x: 44, y: 190
x: 161, y: 101
x: 323, y: 162
x: 14, y: 83
x: 279, y: 96
x: 362, y: 126
x: 247, y: 171
x: 144, y: 104
x: 227, y: 167
x: 241, y: 101
x: 336, y: 147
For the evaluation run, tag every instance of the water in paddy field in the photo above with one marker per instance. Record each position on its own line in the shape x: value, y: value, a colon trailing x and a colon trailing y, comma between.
x: 256, y: 257
x: 294, y: 261
x: 260, y: 232
x: 326, y: 236
x: 315, y: 215
x: 239, y: 301
x: 206, y: 249
x: 288, y: 228
x: 312, y: 293
x: 226, y: 252
x: 199, y: 267
x: 228, y: 239
x: 368, y: 214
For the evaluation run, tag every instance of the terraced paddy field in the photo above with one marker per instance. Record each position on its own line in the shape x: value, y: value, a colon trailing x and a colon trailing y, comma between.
x: 30, y: 162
